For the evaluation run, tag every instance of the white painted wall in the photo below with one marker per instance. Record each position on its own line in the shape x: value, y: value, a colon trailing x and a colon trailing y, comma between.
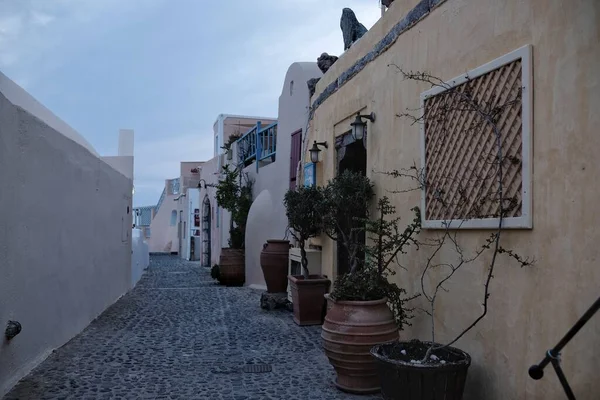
x: 123, y: 161
x: 267, y: 219
x: 65, y: 232
x: 126, y: 139
x: 192, y: 201
x: 140, y: 256
x: 123, y: 164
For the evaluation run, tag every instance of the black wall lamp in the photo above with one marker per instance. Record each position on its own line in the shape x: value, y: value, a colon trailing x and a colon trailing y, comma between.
x: 314, y: 151
x: 358, y: 126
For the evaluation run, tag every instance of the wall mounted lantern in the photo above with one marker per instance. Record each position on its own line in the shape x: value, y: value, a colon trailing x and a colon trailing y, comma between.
x: 200, y: 183
x: 358, y: 126
x: 314, y: 151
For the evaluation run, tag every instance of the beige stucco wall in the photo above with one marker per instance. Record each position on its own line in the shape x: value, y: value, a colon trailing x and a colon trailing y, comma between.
x: 163, y: 235
x: 65, y: 233
x: 531, y: 308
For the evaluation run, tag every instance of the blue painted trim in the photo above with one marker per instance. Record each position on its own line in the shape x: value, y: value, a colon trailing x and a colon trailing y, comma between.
x: 258, y: 151
x: 268, y: 135
x: 254, y: 140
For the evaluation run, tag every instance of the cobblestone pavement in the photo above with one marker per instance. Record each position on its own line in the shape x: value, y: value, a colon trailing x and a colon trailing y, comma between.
x: 177, y: 335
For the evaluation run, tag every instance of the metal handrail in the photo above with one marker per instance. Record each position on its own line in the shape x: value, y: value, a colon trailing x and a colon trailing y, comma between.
x: 160, y: 201
x: 553, y: 355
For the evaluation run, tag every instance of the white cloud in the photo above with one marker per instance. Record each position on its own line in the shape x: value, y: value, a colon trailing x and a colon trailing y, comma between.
x: 40, y: 18
x: 38, y: 37
x: 301, y: 38
x: 32, y: 31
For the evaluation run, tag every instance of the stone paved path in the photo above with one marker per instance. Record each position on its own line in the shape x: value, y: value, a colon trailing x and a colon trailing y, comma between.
x: 177, y: 335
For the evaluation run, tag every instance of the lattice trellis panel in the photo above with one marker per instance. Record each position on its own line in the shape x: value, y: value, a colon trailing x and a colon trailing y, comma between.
x: 463, y: 161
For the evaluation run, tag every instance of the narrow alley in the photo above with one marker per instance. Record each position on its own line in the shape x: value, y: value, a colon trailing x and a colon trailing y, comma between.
x: 179, y: 335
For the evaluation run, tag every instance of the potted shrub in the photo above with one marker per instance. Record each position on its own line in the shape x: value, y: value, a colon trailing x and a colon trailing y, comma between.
x: 347, y: 200
x: 365, y: 308
x: 234, y: 193
x: 228, y: 146
x: 439, y: 368
x: 429, y: 370
x: 304, y: 212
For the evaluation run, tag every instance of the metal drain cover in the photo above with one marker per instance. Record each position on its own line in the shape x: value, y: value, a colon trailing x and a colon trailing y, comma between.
x: 257, y: 368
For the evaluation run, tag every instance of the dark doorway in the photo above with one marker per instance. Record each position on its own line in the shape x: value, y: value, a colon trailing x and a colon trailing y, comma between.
x: 295, y: 155
x: 351, y: 156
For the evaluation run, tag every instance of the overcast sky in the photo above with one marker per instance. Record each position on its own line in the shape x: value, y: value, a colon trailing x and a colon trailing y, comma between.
x: 165, y: 68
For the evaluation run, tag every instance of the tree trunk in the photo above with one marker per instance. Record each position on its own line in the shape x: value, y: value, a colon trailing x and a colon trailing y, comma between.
x: 304, y: 259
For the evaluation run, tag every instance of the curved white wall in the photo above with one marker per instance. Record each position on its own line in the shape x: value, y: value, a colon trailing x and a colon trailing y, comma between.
x: 259, y: 228
x: 267, y: 218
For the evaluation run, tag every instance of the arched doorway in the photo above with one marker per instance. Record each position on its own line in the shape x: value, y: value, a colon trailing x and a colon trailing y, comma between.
x: 206, y: 243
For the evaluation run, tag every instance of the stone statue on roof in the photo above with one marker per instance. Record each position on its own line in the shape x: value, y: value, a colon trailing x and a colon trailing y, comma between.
x: 325, y: 61
x: 352, y: 30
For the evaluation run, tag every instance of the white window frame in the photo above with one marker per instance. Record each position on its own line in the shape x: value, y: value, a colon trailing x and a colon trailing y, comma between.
x: 525, y: 221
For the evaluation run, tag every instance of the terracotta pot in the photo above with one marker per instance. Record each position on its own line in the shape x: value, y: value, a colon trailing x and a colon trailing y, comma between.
x: 232, y: 267
x: 274, y: 260
x: 401, y: 379
x: 350, y: 330
x: 308, y: 298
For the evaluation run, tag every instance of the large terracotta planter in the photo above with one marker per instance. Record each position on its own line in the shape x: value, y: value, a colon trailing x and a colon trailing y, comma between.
x: 274, y: 260
x: 232, y: 267
x: 402, y: 379
x: 350, y: 330
x: 308, y: 298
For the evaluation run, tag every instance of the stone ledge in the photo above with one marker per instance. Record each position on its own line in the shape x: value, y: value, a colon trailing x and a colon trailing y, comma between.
x: 420, y: 11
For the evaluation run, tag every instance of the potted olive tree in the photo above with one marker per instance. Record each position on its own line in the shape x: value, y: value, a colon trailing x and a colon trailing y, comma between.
x: 234, y: 193
x: 347, y: 200
x: 366, y: 308
x: 304, y: 210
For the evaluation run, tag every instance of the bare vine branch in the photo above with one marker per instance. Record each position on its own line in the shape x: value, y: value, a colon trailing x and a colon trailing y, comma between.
x: 470, y: 189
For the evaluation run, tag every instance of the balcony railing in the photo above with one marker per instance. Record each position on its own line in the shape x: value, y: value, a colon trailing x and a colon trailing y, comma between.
x: 246, y: 146
x: 267, y: 138
x: 259, y: 143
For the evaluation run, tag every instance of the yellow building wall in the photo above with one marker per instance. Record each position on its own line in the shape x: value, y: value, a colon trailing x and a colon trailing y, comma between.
x: 530, y: 308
